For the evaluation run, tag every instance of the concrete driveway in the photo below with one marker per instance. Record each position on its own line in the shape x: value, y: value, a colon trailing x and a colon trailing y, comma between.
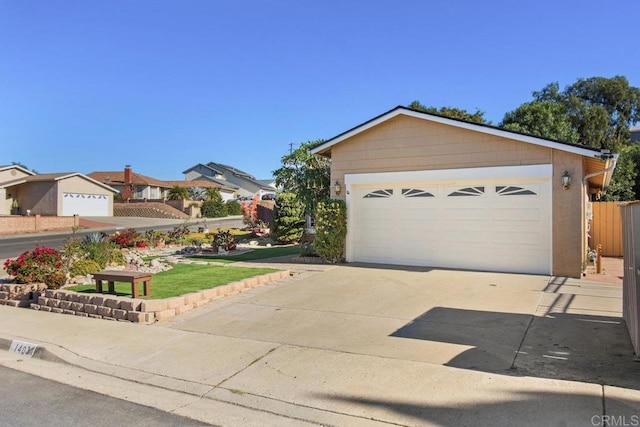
x: 492, y: 322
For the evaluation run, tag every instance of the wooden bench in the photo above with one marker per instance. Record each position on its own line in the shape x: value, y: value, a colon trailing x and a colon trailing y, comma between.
x: 133, y: 277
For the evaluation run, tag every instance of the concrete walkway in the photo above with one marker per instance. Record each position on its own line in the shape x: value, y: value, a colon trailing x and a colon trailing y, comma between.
x: 358, y: 345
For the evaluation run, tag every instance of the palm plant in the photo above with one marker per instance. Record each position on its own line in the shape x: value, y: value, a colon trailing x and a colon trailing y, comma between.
x: 178, y: 193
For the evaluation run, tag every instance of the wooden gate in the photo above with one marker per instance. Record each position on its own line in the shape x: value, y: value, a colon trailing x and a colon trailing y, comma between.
x: 631, y: 280
x: 606, y: 228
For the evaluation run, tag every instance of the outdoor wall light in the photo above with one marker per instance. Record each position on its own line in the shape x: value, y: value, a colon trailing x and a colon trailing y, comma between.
x: 337, y: 188
x: 566, y: 180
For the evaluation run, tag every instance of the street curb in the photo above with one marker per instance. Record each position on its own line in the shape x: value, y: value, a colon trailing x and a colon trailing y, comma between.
x: 41, y: 352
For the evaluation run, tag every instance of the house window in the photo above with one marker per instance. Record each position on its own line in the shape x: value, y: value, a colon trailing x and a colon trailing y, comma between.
x: 414, y: 192
x: 468, y: 191
x: 379, y: 194
x: 513, y: 191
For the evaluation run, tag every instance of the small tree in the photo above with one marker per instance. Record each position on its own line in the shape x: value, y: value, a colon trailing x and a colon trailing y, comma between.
x: 288, y: 218
x: 213, y: 207
x: 331, y: 229
x: 250, y: 211
x: 233, y: 208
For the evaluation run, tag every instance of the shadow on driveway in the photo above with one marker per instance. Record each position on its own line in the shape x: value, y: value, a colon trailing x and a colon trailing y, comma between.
x: 576, y: 335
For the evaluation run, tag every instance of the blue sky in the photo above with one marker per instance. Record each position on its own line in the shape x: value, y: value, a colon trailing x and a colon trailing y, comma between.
x: 163, y: 85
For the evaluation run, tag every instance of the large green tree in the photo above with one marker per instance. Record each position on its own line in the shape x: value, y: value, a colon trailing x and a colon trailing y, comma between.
x: 546, y: 119
x: 596, y: 112
x: 455, y: 113
x: 305, y: 174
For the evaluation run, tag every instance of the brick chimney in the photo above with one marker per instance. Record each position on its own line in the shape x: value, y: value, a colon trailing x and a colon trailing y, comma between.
x: 127, y: 188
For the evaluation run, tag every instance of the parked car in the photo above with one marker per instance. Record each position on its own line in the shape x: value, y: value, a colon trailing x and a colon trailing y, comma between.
x: 268, y: 196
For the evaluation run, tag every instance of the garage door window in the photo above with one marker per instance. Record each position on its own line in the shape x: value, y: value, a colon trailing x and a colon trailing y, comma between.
x: 414, y: 192
x: 379, y: 194
x: 468, y: 191
x: 514, y: 191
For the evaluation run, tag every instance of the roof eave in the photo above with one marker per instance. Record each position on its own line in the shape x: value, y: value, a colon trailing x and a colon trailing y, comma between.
x: 325, y: 148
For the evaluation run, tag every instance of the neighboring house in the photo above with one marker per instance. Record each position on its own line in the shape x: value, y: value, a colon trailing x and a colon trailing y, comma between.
x: 133, y: 186
x: 228, y: 192
x: 61, y: 194
x: 635, y: 134
x: 247, y: 184
x: 427, y: 190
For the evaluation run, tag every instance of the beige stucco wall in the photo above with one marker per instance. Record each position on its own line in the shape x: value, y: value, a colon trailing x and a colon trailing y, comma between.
x: 11, y: 174
x: 409, y: 144
x: 77, y: 184
x: 39, y: 197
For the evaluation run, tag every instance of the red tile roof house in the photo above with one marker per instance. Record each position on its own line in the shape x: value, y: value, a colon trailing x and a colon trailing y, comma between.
x: 134, y: 186
x: 426, y: 190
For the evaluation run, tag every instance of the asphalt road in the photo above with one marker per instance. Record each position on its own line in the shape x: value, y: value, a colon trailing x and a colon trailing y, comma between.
x: 28, y: 400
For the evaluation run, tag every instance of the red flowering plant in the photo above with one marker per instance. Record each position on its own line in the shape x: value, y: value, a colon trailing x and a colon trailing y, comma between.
x: 34, y: 266
x: 127, y: 238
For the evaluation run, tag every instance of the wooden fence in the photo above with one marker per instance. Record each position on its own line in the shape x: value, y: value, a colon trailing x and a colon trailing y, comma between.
x: 606, y: 228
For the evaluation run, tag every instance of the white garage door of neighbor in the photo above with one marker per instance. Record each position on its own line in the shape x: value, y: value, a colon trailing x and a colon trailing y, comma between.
x: 485, y: 224
x: 85, y: 204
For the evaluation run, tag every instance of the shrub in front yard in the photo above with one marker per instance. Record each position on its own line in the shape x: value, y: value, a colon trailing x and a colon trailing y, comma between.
x: 82, y: 267
x: 34, y: 266
x: 233, y: 208
x: 288, y: 218
x: 127, y: 238
x: 55, y: 280
x: 331, y: 229
x: 213, y: 208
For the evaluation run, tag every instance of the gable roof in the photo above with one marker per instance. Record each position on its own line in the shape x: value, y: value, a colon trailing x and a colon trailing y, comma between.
x: 582, y: 150
x: 20, y: 168
x: 207, y: 166
x: 220, y: 182
x: 52, y: 177
x: 117, y: 177
x: 599, y: 165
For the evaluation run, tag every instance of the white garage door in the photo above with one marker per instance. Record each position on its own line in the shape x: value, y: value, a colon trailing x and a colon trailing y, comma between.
x: 493, y: 224
x: 85, y: 204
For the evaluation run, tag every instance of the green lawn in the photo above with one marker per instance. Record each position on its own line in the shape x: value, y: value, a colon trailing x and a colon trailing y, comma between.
x: 185, y: 278
x: 256, y: 254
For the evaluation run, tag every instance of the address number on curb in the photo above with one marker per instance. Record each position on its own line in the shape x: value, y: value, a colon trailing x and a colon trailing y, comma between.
x: 23, y: 348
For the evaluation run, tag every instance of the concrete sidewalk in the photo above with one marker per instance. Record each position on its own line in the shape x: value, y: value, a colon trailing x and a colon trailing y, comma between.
x: 230, y: 380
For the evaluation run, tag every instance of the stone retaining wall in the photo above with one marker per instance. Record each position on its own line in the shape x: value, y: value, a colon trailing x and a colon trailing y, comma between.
x: 109, y: 307
x: 21, y: 295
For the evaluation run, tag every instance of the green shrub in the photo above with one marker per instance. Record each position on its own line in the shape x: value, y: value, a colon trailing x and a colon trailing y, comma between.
x: 331, y: 229
x: 55, y: 280
x: 213, y: 209
x: 116, y: 257
x: 233, y: 208
x: 288, y: 218
x: 82, y: 267
x: 99, y: 252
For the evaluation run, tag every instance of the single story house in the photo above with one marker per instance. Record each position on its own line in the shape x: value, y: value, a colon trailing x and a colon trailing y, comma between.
x: 59, y: 194
x: 427, y: 190
x: 247, y: 184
